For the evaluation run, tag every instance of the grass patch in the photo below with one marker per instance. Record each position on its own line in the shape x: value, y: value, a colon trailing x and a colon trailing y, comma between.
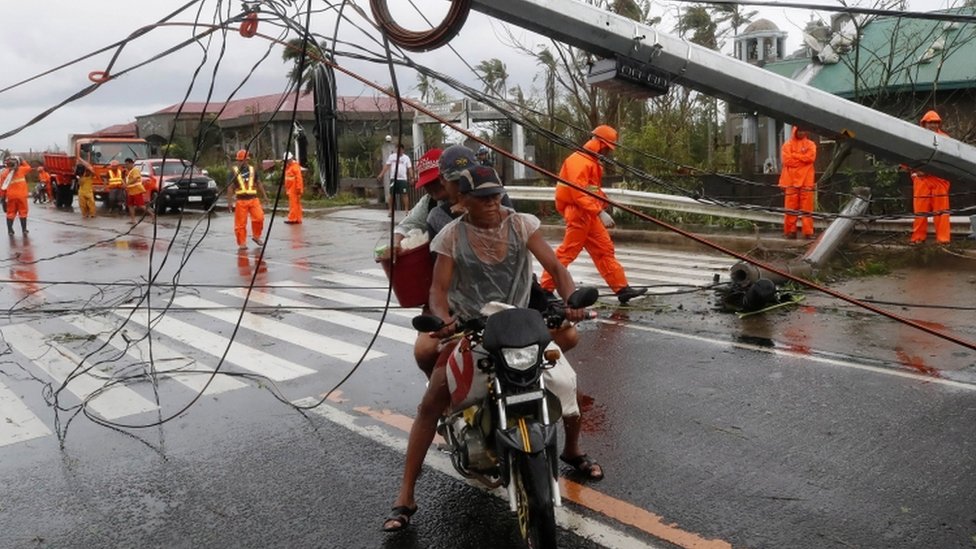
x: 341, y: 199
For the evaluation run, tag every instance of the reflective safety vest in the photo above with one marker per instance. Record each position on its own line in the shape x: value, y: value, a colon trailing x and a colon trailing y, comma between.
x: 115, y: 177
x: 245, y: 188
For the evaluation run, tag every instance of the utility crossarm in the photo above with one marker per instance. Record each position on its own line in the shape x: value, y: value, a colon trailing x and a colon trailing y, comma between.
x: 607, y: 35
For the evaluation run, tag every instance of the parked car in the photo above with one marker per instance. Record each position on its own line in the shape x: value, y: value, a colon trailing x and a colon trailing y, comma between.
x: 175, y: 183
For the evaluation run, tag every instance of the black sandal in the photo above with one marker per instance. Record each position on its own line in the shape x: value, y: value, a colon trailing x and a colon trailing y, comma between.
x: 400, y: 515
x: 584, y: 466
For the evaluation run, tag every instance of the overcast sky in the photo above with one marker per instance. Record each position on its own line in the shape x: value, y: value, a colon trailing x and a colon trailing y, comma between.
x: 39, y: 36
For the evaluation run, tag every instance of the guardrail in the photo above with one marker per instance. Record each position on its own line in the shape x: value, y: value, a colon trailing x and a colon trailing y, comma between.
x: 658, y: 201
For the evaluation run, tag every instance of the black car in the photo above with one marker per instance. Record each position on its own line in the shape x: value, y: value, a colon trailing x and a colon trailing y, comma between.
x: 175, y: 183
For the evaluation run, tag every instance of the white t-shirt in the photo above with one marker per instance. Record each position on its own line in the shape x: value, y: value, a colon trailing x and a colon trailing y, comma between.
x: 398, y: 173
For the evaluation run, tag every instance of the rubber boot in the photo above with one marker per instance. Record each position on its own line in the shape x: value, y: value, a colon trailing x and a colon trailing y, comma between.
x: 23, y: 225
x: 10, y: 227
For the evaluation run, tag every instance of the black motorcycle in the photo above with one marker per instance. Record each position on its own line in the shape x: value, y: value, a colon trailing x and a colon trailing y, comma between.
x: 501, y: 429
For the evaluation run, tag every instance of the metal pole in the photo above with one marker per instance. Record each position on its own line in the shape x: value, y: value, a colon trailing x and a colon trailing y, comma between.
x: 835, y: 234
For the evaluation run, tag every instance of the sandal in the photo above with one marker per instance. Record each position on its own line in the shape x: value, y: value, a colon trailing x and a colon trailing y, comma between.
x: 400, y: 517
x: 584, y: 466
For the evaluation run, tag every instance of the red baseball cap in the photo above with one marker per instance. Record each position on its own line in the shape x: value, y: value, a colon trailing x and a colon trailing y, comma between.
x: 427, y: 168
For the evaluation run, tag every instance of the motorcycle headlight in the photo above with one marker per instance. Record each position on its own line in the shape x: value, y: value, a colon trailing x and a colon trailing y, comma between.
x: 521, y: 359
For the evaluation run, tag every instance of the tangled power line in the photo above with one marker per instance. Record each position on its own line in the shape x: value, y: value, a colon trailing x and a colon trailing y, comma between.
x: 211, y: 32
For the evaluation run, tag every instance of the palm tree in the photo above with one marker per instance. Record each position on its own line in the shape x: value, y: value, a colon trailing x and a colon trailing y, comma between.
x: 733, y: 15
x: 314, y: 55
x: 495, y: 76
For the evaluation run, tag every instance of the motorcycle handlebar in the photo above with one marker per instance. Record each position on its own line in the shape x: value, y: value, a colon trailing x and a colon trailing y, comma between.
x: 580, y: 299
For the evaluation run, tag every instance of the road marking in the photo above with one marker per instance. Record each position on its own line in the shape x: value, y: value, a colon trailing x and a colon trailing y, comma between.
x: 352, y: 299
x: 58, y: 362
x: 794, y: 354
x: 239, y: 354
x: 17, y: 422
x: 570, y: 520
x: 281, y: 331
x: 168, y: 362
x: 355, y: 322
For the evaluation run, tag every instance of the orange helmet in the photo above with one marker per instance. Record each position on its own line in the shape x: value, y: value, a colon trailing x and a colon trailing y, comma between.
x: 931, y: 116
x: 241, y: 155
x: 606, y: 134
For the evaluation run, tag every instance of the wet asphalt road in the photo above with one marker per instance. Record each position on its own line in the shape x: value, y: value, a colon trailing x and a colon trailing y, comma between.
x: 713, y: 431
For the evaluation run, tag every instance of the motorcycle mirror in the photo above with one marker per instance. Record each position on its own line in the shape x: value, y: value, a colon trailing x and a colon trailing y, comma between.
x: 427, y: 323
x: 583, y: 297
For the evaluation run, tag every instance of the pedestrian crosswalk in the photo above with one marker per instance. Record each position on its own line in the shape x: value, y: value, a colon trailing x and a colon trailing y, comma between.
x: 289, y: 332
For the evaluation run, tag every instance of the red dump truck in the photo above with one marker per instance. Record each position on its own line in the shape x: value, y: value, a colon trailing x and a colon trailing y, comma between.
x: 97, y: 151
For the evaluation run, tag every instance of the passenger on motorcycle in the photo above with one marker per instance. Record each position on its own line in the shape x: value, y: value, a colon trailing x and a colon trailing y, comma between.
x: 484, y: 256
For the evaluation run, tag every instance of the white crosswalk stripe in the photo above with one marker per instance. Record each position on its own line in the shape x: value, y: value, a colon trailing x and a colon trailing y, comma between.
x: 187, y: 338
x: 17, y: 422
x: 276, y: 329
x: 167, y: 361
x: 240, y: 354
x: 59, y: 363
x: 340, y: 318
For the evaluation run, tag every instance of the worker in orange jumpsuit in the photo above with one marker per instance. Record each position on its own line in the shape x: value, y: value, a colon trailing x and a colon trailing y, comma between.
x: 930, y: 194
x: 244, y: 195
x: 585, y: 227
x: 14, y: 187
x: 797, y: 181
x: 45, y: 178
x: 294, y: 187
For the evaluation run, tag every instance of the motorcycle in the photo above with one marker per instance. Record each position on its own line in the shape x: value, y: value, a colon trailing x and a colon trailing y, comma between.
x: 501, y: 428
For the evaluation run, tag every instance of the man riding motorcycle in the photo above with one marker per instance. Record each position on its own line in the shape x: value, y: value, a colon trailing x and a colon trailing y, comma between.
x: 483, y: 256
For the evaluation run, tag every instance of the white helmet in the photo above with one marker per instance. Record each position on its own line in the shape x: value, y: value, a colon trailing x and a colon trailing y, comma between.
x: 288, y: 156
x: 388, y: 139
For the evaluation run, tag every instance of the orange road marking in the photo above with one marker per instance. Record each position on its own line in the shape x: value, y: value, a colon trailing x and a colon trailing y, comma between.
x: 616, y: 509
x: 336, y: 396
x: 627, y: 513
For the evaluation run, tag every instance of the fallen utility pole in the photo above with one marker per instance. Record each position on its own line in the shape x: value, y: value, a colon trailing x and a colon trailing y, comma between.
x: 610, y: 35
x: 743, y: 273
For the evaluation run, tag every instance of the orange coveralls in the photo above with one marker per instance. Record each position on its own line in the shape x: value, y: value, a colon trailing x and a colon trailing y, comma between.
x: 45, y: 178
x: 797, y: 182
x: 930, y: 194
x: 294, y: 187
x: 247, y: 204
x: 17, y: 192
x: 584, y: 229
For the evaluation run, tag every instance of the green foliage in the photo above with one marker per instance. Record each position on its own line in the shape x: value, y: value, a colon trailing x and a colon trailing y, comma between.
x: 340, y: 199
x: 219, y: 173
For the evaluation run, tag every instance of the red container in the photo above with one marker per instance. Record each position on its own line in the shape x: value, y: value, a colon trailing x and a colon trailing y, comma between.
x: 412, y: 275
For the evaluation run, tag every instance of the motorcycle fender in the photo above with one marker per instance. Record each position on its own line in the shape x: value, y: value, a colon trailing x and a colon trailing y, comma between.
x: 535, y: 438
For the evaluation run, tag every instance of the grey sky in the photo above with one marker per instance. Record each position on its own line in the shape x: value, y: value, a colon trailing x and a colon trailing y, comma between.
x: 48, y: 33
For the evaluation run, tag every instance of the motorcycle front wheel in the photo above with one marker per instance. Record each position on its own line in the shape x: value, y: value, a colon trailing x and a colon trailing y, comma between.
x: 533, y: 494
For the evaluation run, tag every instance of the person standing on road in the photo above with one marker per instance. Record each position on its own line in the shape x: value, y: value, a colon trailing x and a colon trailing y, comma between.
x: 135, y: 192
x: 116, y: 186
x: 401, y: 173
x: 797, y: 181
x: 63, y: 195
x: 294, y: 187
x: 45, y: 178
x: 930, y: 194
x: 586, y: 228
x: 244, y: 196
x: 483, y: 158
x: 14, y: 187
x: 86, y: 191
